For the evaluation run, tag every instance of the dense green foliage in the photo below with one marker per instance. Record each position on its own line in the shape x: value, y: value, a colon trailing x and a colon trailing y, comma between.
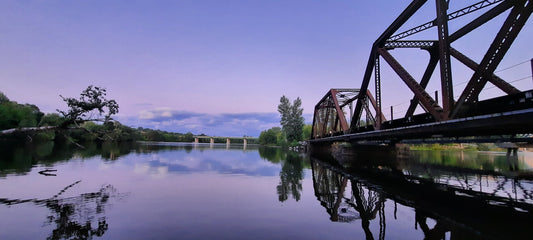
x: 164, y: 136
x: 272, y: 136
x: 458, y: 146
x: 51, y: 119
x: 292, y: 121
x: 14, y: 115
x: 307, y: 131
x: 76, y: 123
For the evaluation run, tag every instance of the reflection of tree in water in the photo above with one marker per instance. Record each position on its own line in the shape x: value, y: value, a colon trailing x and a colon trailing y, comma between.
x: 290, y: 177
x: 273, y: 155
x: 74, y: 216
x: 291, y: 173
x: 20, y: 158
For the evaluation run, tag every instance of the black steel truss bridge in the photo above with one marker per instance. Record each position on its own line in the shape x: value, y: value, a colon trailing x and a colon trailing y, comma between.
x: 357, y: 115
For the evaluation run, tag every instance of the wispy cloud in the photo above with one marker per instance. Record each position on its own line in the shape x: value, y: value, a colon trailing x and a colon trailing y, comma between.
x: 226, y: 124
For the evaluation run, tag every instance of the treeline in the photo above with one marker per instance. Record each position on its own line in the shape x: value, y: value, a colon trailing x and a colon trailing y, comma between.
x: 13, y: 115
x: 23, y: 116
x: 276, y: 136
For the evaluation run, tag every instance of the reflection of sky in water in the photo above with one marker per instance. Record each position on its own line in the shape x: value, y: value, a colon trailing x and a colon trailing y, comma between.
x: 161, y: 163
x: 528, y: 159
x: 184, y: 192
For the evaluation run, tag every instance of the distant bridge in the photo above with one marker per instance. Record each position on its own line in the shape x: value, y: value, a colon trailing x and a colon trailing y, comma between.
x: 504, y: 118
x: 228, y: 139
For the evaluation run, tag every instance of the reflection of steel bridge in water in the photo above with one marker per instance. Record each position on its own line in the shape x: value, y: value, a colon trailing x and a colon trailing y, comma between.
x: 500, y: 119
x: 451, y: 206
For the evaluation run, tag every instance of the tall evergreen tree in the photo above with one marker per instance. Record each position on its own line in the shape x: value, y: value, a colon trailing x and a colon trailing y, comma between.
x: 292, y: 121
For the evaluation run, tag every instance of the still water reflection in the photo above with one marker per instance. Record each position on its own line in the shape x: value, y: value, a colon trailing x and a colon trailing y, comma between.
x: 218, y: 191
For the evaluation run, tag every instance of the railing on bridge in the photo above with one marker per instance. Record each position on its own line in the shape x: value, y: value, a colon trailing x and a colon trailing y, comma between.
x: 467, y: 117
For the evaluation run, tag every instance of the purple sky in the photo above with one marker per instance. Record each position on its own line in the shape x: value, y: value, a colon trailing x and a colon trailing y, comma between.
x: 215, y: 67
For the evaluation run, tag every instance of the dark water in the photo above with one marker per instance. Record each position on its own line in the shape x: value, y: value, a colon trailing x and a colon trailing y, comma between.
x: 202, y: 191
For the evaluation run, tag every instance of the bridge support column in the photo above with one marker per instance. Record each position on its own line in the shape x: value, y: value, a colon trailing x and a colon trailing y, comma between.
x: 196, y: 140
x: 512, y: 158
x: 212, y: 140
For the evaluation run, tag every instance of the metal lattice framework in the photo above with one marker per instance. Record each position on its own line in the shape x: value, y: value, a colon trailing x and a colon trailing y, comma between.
x: 330, y: 113
x: 440, y: 52
x: 464, y: 117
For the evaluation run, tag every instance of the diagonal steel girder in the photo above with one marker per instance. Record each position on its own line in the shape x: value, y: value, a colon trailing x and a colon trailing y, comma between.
x: 340, y: 114
x: 432, y: 64
x: 425, y: 99
x: 429, y: 45
x: 375, y: 106
x: 497, y: 81
x: 513, y: 24
x: 380, y: 42
x: 490, y: 14
x: 329, y: 116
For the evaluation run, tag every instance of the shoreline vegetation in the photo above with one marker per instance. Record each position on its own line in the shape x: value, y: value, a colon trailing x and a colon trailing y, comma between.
x: 485, y: 147
x: 25, y: 122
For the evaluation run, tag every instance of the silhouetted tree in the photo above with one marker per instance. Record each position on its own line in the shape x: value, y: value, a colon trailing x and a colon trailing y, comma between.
x: 92, y: 100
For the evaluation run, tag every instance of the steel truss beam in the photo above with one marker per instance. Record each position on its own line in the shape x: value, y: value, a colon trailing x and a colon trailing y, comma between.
x: 380, y: 42
x: 451, y: 16
x: 410, y: 44
x: 444, y: 59
x: 425, y: 99
x: 329, y: 115
x: 441, y: 53
x: 497, y: 81
x: 433, y: 60
x: 513, y: 24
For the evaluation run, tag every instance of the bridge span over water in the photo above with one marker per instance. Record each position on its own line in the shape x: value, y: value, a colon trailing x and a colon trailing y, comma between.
x: 227, y: 139
x: 357, y: 115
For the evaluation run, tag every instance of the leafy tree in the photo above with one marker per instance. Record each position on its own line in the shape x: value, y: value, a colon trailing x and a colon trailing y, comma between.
x: 188, y: 137
x: 270, y: 136
x: 307, y: 131
x: 14, y: 115
x: 51, y: 119
x: 3, y: 98
x: 92, y: 101
x: 292, y: 120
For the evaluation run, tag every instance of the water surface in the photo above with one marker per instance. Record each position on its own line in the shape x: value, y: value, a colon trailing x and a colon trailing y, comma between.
x: 203, y: 191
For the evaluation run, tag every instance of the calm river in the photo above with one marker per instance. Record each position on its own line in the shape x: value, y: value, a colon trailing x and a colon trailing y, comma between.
x: 202, y: 191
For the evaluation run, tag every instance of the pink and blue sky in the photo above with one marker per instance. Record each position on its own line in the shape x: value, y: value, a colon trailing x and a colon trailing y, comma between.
x: 216, y: 67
